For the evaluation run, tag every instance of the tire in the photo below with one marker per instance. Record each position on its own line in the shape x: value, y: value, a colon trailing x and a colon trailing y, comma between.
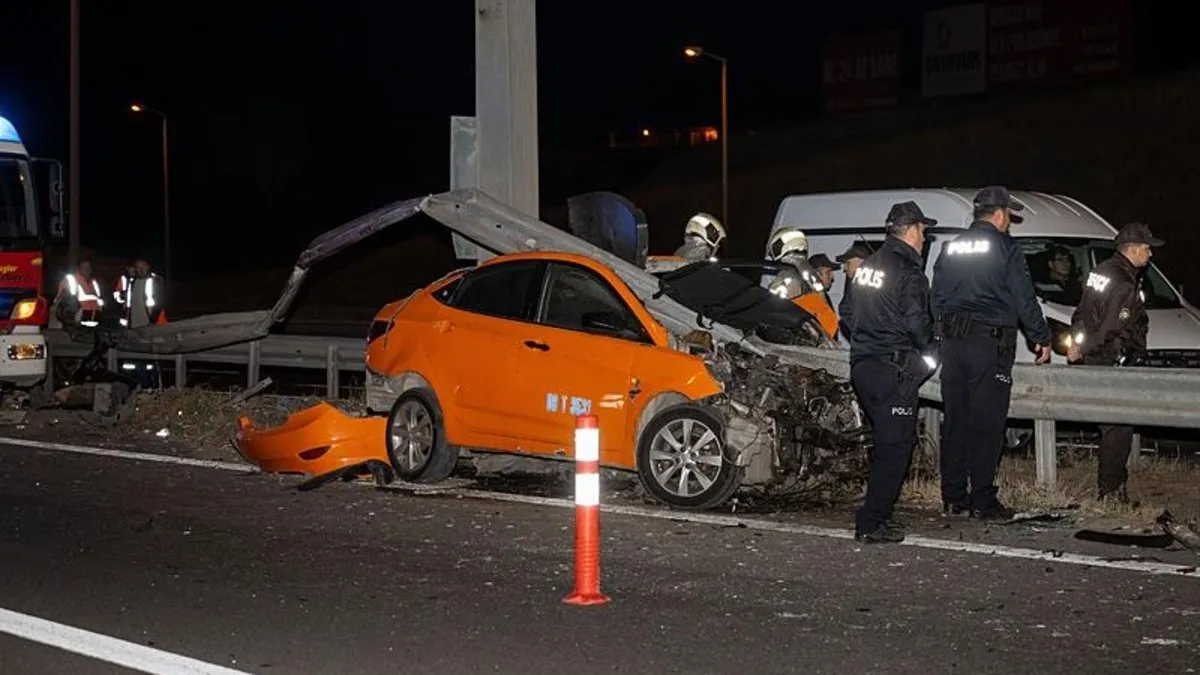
x: 673, y: 421
x: 430, y: 460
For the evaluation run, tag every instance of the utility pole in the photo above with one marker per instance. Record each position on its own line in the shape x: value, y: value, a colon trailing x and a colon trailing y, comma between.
x: 73, y: 159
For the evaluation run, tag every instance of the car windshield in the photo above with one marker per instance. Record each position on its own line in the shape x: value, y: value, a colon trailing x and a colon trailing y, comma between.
x: 16, y: 199
x: 1060, y: 265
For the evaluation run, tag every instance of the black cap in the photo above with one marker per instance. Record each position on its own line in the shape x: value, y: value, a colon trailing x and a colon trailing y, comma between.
x: 997, y: 196
x: 907, y: 213
x: 821, y: 260
x: 855, y: 251
x: 1137, y: 233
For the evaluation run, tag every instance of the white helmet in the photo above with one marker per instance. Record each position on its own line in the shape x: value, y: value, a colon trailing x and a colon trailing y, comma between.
x: 707, y: 228
x: 785, y: 241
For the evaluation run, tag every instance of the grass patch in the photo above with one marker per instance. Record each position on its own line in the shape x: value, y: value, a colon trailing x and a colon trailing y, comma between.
x: 204, y: 416
x: 1154, y: 484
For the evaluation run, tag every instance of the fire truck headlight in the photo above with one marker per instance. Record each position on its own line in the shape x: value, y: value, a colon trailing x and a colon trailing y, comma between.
x: 26, y: 351
x: 24, y: 310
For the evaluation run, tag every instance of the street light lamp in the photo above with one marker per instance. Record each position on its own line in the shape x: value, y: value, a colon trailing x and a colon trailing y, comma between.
x: 696, y: 51
x: 139, y: 108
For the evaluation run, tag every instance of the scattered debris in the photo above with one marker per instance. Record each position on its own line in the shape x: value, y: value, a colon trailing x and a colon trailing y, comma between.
x: 1122, y: 536
x: 257, y: 389
x: 1183, y: 533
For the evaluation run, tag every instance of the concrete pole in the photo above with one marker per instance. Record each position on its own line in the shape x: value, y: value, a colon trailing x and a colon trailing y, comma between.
x: 506, y: 101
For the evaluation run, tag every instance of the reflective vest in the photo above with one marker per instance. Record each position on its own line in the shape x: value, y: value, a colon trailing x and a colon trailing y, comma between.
x: 87, y: 294
x: 139, y: 298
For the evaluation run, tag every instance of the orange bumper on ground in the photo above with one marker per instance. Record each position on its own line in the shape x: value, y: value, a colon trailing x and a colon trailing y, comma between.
x: 313, y: 441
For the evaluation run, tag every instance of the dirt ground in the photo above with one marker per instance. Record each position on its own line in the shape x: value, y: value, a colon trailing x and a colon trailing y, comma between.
x: 200, y: 423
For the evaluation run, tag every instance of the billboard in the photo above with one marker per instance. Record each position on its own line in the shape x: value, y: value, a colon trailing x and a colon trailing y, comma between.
x: 1045, y: 43
x: 862, y: 71
x: 954, y: 51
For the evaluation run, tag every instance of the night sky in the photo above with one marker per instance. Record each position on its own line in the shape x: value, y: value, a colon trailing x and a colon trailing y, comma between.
x: 287, y: 118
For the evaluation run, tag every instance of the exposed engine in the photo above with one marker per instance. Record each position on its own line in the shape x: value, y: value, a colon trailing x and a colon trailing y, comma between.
x: 793, y: 428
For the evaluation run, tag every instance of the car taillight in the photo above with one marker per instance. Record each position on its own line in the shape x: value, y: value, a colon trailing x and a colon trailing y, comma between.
x: 378, y: 328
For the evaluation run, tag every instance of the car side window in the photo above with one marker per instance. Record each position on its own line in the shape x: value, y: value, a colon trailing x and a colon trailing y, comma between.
x: 579, y: 299
x: 504, y: 290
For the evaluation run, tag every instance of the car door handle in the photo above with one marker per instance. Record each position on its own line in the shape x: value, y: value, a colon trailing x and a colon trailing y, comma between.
x: 540, y: 346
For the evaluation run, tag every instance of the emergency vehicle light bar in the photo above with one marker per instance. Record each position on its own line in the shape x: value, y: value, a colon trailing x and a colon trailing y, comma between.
x: 8, y: 132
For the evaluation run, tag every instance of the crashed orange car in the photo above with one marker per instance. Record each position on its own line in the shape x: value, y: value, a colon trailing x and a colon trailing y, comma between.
x: 502, y: 358
x: 505, y: 356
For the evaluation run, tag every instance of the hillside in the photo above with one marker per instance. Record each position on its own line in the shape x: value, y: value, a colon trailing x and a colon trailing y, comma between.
x: 1126, y: 149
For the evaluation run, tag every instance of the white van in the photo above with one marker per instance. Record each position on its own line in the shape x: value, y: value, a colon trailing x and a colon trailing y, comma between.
x: 1052, y: 224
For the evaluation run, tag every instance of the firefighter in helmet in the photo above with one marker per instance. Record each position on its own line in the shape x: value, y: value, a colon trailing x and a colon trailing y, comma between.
x: 797, y: 279
x: 702, y: 236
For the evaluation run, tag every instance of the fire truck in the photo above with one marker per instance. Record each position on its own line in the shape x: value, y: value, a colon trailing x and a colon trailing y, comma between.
x: 31, y: 219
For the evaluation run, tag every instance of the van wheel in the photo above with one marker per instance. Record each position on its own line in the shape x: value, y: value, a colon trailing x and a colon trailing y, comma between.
x: 416, y: 438
x: 681, y: 459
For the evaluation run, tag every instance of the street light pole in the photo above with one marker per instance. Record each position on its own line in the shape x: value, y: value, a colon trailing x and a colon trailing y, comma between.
x: 694, y: 52
x: 136, y: 107
x: 73, y: 150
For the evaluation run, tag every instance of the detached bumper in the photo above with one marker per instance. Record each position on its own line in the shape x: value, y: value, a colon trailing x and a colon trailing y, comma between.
x: 314, y: 441
x: 22, y: 359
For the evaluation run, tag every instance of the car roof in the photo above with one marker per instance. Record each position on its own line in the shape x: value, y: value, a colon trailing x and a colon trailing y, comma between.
x: 555, y: 256
x: 1045, y: 215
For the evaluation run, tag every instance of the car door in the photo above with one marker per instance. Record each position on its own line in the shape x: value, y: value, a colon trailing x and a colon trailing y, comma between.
x: 577, y: 361
x: 474, y: 343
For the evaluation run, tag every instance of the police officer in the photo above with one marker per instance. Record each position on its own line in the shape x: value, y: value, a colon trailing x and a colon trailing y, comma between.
x: 1109, y: 329
x: 891, y: 355
x: 702, y: 236
x: 981, y: 292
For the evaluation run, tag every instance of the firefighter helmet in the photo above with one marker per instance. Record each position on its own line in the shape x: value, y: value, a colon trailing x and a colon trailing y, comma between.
x: 707, y: 228
x: 786, y: 241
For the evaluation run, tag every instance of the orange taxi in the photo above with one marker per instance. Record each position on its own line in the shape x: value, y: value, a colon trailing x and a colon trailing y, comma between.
x: 502, y: 357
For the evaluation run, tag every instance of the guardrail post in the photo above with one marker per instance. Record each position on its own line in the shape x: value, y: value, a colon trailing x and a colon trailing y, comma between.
x: 1135, y: 452
x: 331, y: 371
x: 253, y: 363
x: 113, y: 358
x: 48, y: 383
x: 933, y: 431
x: 1045, y: 441
x: 180, y: 371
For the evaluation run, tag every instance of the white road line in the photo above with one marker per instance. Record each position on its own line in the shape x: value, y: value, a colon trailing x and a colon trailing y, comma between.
x: 977, y: 548
x: 126, y: 454
x: 104, y: 648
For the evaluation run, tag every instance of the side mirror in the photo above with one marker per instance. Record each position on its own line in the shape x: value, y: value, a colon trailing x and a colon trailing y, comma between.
x: 49, y: 179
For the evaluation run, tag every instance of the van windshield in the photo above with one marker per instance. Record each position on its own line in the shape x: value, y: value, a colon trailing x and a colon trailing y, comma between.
x: 1060, y: 265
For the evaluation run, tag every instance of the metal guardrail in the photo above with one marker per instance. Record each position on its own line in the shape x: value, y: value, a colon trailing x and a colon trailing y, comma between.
x: 334, y: 355
x: 1045, y: 394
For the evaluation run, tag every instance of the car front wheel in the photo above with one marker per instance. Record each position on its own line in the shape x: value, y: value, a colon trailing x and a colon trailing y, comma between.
x: 682, y: 459
x: 416, y: 438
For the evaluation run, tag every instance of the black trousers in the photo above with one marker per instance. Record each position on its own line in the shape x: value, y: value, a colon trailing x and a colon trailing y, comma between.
x: 889, y: 397
x: 1116, y: 442
x: 976, y: 386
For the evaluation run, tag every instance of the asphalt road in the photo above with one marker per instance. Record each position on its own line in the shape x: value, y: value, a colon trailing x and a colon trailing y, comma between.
x: 244, y: 572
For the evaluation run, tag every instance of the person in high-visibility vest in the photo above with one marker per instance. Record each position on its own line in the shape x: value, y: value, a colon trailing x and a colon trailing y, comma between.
x: 141, y: 294
x: 84, y: 290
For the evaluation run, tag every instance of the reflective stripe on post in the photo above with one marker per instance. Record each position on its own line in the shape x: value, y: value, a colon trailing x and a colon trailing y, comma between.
x: 587, y: 513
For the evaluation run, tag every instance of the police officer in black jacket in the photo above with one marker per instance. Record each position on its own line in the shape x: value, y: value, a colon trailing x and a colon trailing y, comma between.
x: 981, y: 292
x: 891, y: 355
x: 1109, y: 329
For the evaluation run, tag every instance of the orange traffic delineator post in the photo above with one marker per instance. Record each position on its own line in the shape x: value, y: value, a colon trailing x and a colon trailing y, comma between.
x: 587, y: 513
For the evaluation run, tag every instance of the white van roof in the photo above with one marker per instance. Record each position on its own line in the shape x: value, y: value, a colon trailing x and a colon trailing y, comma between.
x: 1045, y: 215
